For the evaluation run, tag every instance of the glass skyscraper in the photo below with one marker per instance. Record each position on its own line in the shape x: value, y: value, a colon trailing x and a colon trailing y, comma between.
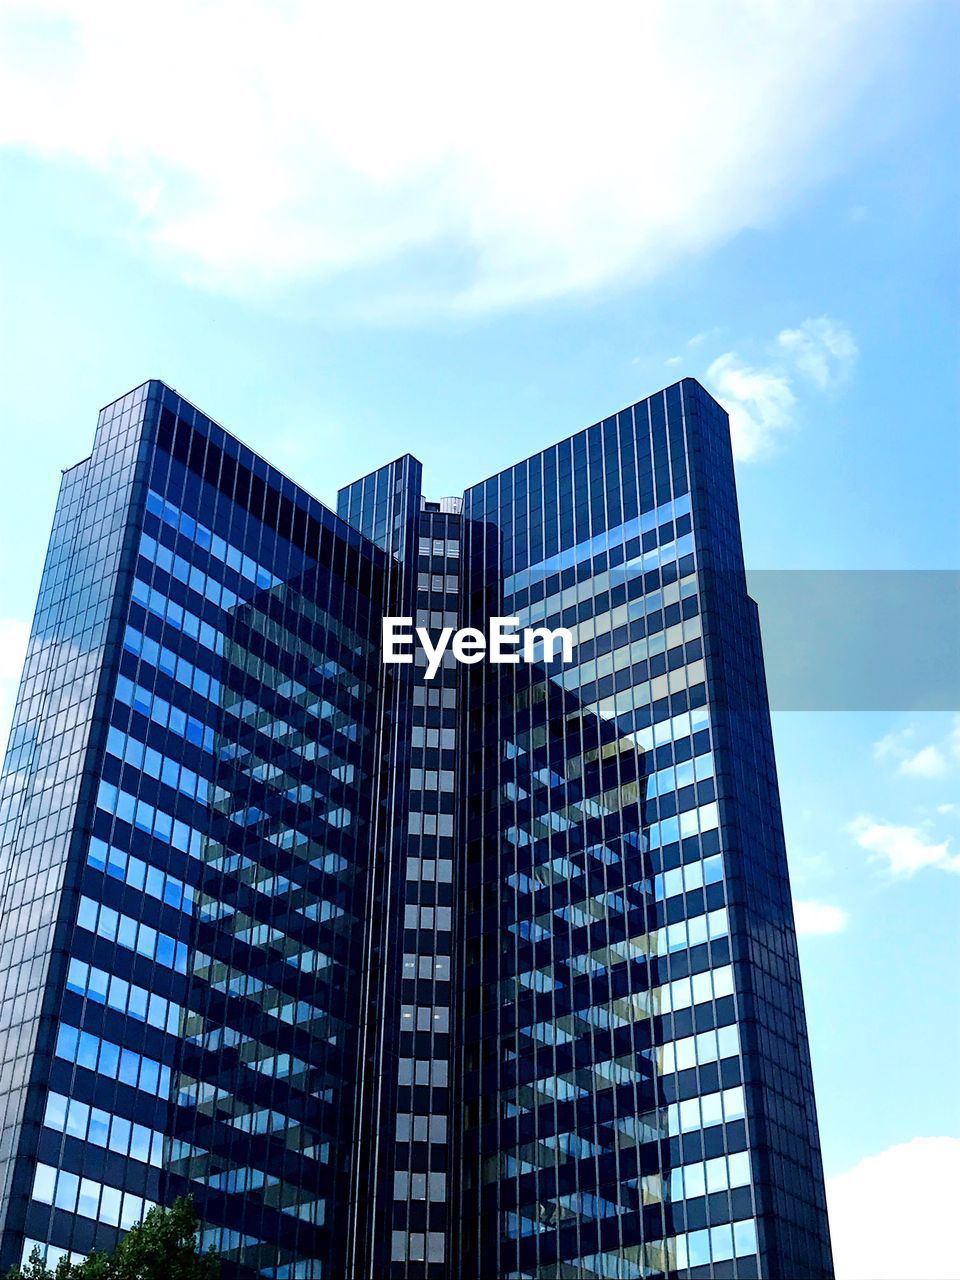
x: 487, y: 975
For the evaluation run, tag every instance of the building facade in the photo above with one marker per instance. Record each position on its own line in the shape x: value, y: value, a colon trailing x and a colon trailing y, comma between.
x: 492, y: 974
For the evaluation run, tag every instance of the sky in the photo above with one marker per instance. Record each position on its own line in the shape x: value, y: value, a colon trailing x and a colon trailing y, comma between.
x: 348, y: 232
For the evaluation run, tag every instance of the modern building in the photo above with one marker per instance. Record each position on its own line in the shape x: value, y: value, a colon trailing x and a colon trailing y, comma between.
x: 489, y: 975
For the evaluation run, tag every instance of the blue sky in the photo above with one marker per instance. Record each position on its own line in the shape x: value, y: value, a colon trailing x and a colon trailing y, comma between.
x: 347, y: 236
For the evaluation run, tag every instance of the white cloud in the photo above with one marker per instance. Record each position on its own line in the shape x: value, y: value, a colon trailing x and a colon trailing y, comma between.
x: 934, y: 760
x: 818, y: 917
x: 760, y: 403
x: 906, y: 850
x: 14, y: 635
x: 821, y: 350
x: 894, y: 746
x: 892, y: 1216
x: 534, y: 149
x: 761, y: 399
x: 928, y: 762
x: 699, y: 338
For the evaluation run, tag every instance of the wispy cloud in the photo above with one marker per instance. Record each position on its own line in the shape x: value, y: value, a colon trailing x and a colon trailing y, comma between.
x: 928, y: 762
x: 527, y: 149
x: 699, y: 339
x: 894, y: 745
x: 885, y: 1189
x: 904, y: 850
x: 760, y: 403
x: 933, y: 760
x: 822, y: 350
x: 762, y: 399
x: 814, y: 917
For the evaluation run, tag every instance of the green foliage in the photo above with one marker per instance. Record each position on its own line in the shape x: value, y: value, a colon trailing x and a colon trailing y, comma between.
x: 162, y: 1247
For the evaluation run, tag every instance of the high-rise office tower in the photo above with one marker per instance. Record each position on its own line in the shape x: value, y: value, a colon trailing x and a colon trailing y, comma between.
x: 489, y: 974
